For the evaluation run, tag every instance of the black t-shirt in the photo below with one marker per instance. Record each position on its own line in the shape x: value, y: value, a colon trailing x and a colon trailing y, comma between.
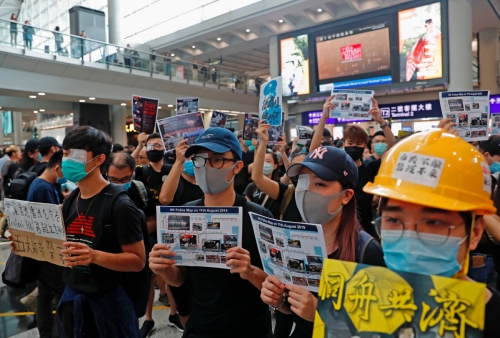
x: 492, y: 316
x: 152, y: 179
x: 88, y: 229
x: 39, y: 168
x: 366, y: 173
x: 223, y: 304
x: 248, y: 157
x: 150, y: 208
x: 373, y: 256
x: 258, y: 197
x: 292, y: 213
x: 186, y: 192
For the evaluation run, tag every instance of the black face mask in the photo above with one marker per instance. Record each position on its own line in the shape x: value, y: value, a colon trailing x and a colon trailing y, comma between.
x: 355, y: 152
x: 155, y: 155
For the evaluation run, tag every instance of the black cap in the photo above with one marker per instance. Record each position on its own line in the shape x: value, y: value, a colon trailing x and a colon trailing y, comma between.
x: 31, y: 146
x: 330, y: 164
x: 47, y: 142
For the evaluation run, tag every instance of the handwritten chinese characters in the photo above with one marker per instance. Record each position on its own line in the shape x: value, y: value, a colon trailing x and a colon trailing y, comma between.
x: 419, y: 169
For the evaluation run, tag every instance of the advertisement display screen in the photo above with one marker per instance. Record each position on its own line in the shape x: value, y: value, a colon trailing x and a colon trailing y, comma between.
x: 420, y: 43
x: 295, y: 65
x: 7, y: 125
x: 353, y: 52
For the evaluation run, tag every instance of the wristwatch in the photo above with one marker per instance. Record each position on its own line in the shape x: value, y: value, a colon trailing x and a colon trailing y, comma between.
x: 382, y: 126
x: 272, y: 308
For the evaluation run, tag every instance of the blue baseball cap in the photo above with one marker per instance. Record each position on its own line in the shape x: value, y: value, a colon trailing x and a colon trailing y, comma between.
x: 218, y: 140
x: 329, y: 164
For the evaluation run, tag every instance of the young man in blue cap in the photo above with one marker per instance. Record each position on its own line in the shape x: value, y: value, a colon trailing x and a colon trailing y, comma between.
x: 224, y: 303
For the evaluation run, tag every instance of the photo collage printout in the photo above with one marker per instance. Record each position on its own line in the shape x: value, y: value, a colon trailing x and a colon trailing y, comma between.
x: 293, y: 252
x: 177, y: 128
x: 470, y: 111
x: 200, y: 236
x: 352, y: 104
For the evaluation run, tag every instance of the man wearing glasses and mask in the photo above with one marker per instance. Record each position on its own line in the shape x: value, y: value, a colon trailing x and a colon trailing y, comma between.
x: 224, y: 303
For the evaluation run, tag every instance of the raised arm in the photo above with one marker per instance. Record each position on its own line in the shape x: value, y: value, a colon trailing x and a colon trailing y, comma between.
x: 142, y: 142
x: 286, y: 162
x: 171, y: 183
x: 316, y: 140
x: 377, y: 116
x: 266, y: 185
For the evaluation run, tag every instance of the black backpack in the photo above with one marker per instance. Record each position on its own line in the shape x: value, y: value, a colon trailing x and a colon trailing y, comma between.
x: 136, y: 284
x: 19, y: 186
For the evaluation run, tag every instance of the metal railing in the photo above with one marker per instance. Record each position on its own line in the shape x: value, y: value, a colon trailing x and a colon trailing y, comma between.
x: 62, y: 45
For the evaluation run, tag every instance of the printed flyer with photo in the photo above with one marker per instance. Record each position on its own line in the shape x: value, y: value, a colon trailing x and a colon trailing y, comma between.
x: 271, y: 96
x: 218, y: 120
x: 470, y: 110
x: 144, y: 113
x: 177, y: 128
x: 352, y: 104
x: 187, y: 105
x: 200, y: 236
x: 276, y: 132
x: 304, y: 133
x: 293, y: 252
x: 250, y: 126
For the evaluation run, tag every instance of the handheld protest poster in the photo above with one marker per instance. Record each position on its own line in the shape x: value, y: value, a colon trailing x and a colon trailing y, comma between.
x: 470, y: 111
x: 218, y: 120
x: 144, y: 114
x: 37, y: 230
x: 293, y: 252
x: 270, y: 102
x: 352, y: 104
x: 366, y: 301
x: 177, y: 128
x: 250, y: 126
x: 304, y: 133
x: 200, y: 236
x: 187, y: 105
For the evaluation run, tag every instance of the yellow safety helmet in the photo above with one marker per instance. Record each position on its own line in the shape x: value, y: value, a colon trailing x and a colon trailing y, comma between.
x: 438, y: 170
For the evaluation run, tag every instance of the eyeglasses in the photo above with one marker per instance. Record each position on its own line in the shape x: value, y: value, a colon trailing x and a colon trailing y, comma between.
x: 120, y: 181
x: 215, y: 162
x: 423, y: 228
x: 155, y: 146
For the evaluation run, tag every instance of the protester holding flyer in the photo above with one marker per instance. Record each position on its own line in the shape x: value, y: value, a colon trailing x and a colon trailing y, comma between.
x: 224, y: 302
x: 431, y: 217
x: 324, y: 195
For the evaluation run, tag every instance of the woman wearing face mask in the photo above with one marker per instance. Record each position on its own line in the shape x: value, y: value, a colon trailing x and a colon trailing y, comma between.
x: 428, y: 225
x: 253, y: 194
x: 324, y: 195
x: 282, y: 194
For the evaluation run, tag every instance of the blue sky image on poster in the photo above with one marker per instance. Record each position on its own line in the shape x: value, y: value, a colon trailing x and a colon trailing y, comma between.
x: 270, y: 102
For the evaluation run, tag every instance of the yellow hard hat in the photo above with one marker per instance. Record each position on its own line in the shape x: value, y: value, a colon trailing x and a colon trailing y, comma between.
x: 438, y: 170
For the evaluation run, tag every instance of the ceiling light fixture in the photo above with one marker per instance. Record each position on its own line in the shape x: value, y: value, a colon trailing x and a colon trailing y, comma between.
x: 169, y: 106
x: 320, y: 10
x: 124, y: 104
x: 32, y: 96
x: 42, y: 110
x: 41, y: 94
x: 194, y: 46
x: 172, y: 54
x: 218, y: 39
x: 35, y: 111
x: 248, y: 30
x: 82, y: 100
x: 91, y: 98
x: 71, y: 114
x: 159, y: 107
x: 280, y: 20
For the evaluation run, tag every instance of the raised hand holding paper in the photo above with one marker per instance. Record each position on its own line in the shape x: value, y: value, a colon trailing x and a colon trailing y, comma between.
x: 144, y: 113
x: 200, y: 236
x: 470, y: 111
x: 352, y: 104
x: 270, y: 102
x: 293, y: 252
x: 176, y: 128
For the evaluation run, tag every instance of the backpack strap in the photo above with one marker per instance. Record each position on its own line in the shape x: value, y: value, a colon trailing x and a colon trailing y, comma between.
x: 111, y: 194
x: 287, y: 197
x: 143, y: 193
x: 364, y: 239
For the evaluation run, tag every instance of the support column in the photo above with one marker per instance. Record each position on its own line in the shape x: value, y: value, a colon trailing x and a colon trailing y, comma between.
x: 206, y: 119
x: 488, y: 60
x: 118, y: 121
x: 460, y: 28
x: 18, y: 127
x: 115, y: 18
x: 241, y: 122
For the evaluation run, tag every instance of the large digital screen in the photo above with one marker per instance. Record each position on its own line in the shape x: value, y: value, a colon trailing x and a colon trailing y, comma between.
x: 353, y: 52
x: 7, y: 125
x: 295, y: 65
x: 420, y: 43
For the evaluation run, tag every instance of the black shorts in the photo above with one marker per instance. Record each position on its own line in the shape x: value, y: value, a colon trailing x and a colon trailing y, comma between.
x: 182, y: 297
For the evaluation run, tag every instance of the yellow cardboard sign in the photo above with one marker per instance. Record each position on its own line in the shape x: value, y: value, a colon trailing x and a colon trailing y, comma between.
x: 355, y: 299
